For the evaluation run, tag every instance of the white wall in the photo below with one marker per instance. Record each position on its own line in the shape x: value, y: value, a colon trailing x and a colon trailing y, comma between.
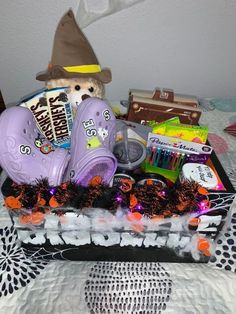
x: 188, y: 45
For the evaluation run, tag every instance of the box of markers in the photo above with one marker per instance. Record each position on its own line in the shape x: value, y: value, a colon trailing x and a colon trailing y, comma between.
x: 166, y: 155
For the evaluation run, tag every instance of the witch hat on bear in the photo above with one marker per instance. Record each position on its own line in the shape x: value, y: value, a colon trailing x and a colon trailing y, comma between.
x: 93, y: 134
x: 72, y: 55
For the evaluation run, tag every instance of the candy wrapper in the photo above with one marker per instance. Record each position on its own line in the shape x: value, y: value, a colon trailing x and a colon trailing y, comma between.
x: 37, y: 104
x: 193, y: 133
x: 60, y: 112
x: 172, y: 127
x: 53, y: 114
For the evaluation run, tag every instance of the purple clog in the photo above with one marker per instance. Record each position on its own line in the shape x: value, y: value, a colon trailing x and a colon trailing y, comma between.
x: 92, y: 140
x: 24, y: 153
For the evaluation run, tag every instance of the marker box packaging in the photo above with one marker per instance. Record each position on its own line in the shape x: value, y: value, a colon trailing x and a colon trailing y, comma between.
x: 201, y: 152
x: 167, y: 155
x: 164, y: 162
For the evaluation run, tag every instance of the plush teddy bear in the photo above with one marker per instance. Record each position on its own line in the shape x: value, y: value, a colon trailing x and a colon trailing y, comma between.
x: 80, y: 89
x: 74, y: 64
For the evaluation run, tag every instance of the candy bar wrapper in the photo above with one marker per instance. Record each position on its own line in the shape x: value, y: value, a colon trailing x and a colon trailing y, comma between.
x: 53, y: 114
x: 160, y: 127
x: 193, y: 133
x: 37, y: 104
x: 153, y: 124
x: 60, y: 112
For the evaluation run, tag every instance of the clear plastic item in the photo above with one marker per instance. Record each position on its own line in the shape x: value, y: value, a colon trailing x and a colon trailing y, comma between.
x: 130, y: 153
x: 92, y: 10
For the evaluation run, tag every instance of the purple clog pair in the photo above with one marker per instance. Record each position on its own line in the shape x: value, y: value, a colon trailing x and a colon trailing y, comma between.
x: 27, y: 156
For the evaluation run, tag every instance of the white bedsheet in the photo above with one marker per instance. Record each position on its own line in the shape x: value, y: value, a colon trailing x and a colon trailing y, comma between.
x: 61, y: 288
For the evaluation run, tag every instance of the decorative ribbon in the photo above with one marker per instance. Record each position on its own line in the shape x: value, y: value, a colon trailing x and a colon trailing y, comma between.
x: 88, y: 68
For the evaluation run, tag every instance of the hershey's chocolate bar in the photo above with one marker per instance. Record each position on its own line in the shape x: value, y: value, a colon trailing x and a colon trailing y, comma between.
x: 37, y: 104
